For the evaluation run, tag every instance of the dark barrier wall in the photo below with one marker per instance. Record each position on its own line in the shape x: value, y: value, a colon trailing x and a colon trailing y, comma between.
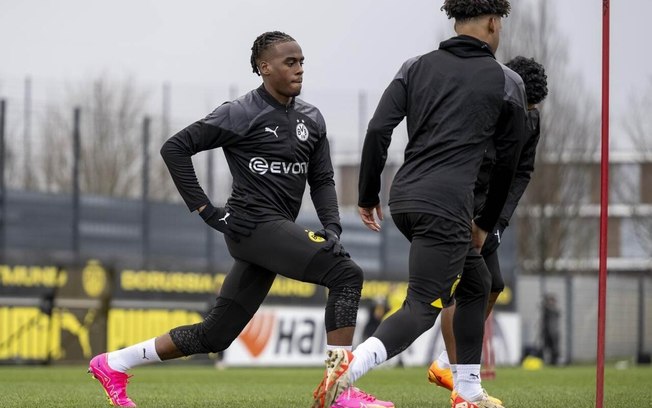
x: 39, y: 227
x: 62, y: 305
x: 69, y: 312
x: 52, y: 312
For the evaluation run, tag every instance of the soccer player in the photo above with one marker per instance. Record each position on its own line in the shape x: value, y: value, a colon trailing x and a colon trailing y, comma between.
x: 273, y: 143
x: 442, y: 371
x: 457, y: 100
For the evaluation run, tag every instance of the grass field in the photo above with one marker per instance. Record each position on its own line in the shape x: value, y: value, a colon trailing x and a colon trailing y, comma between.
x: 193, y: 386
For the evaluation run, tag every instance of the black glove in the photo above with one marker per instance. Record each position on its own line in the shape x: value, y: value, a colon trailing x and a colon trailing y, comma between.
x: 332, y: 242
x: 492, y: 242
x: 227, y: 223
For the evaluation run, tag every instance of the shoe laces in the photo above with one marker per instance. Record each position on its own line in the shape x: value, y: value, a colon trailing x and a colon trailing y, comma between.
x: 319, y: 391
x: 121, y: 390
x: 358, y: 393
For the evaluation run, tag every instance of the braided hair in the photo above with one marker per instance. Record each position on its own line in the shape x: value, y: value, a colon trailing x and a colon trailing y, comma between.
x: 462, y: 10
x: 263, y: 42
x: 534, y: 77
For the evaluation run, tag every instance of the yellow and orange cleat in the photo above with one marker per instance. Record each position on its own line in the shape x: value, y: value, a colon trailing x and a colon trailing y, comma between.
x: 442, y: 377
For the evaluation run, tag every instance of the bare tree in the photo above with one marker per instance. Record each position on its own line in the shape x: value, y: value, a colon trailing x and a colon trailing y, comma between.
x: 550, y: 223
x: 11, y: 129
x: 111, y: 139
x: 631, y: 187
x: 161, y: 184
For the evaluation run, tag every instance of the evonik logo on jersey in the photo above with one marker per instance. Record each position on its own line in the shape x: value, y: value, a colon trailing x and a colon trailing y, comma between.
x: 261, y: 166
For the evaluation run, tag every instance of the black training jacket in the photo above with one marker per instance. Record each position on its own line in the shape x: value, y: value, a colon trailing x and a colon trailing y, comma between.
x: 523, y: 171
x: 271, y: 149
x: 456, y: 99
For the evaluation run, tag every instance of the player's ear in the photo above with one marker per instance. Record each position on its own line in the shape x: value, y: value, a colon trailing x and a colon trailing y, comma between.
x: 265, y: 68
x: 493, y: 24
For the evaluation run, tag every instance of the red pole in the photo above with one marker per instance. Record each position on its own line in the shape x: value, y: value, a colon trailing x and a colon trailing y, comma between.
x: 604, y: 209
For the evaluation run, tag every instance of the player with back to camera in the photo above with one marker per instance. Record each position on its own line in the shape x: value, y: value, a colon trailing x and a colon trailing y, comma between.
x: 456, y: 101
x: 273, y: 143
x: 443, y: 370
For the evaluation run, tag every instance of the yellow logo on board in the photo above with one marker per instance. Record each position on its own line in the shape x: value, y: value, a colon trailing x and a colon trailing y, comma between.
x: 94, y: 278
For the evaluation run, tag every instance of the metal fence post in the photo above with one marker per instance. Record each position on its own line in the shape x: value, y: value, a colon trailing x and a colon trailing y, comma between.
x: 210, y: 234
x: 145, y: 221
x: 569, y: 317
x: 76, y: 155
x: 640, y: 347
x: 3, y: 192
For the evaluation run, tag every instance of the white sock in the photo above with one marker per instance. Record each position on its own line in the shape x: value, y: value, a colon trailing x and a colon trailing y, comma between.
x: 442, y: 360
x: 454, y: 371
x: 132, y: 356
x: 468, y: 381
x: 367, y: 355
x: 329, y: 347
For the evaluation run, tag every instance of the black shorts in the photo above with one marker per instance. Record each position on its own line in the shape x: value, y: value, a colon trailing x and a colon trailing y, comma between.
x: 437, y: 255
x: 285, y: 248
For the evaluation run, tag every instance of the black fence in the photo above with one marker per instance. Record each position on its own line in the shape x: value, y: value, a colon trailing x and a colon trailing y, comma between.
x: 157, y: 235
x: 71, y: 227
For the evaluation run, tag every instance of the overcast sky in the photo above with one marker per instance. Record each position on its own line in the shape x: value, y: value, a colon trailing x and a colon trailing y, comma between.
x: 348, y: 44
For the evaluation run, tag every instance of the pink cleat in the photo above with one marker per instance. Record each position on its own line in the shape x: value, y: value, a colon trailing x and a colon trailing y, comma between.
x: 354, y: 397
x: 113, y: 382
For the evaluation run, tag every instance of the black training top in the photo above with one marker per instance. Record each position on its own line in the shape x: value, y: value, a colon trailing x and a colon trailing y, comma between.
x: 523, y: 171
x: 456, y: 99
x: 271, y: 149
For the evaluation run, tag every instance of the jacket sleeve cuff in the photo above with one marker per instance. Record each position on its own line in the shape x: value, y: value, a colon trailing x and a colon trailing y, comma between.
x: 336, y: 228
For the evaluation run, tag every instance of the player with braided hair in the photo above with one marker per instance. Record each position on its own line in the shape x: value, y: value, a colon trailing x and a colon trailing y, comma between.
x: 456, y: 100
x: 443, y: 370
x: 274, y: 143
x: 262, y: 43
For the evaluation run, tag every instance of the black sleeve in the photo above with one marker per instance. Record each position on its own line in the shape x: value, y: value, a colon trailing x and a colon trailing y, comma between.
x: 204, y: 134
x: 390, y: 112
x: 322, y: 186
x: 522, y: 176
x: 508, y: 141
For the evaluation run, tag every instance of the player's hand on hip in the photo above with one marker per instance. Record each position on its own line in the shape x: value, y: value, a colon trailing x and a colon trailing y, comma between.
x: 478, y: 236
x: 368, y: 217
x: 226, y: 222
x: 332, y: 242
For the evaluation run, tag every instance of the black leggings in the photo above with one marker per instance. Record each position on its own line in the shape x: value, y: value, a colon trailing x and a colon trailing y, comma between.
x: 276, y: 247
x: 497, y: 282
x: 441, y: 265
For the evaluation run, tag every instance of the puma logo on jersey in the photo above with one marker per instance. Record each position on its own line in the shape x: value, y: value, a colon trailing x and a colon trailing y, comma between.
x: 497, y: 234
x: 272, y: 131
x: 224, y: 218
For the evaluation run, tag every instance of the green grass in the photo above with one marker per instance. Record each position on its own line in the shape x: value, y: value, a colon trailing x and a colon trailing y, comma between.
x: 180, y: 385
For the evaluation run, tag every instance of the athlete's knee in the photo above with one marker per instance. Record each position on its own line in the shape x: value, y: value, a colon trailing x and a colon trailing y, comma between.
x: 497, y: 289
x: 497, y: 285
x: 424, y: 311
x: 345, y: 273
x: 345, y: 289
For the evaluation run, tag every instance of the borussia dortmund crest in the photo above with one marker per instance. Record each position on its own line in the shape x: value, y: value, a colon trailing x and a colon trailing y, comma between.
x: 302, y: 131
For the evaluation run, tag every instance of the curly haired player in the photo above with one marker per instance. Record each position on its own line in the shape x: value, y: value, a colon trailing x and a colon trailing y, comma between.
x: 457, y: 100
x: 443, y: 371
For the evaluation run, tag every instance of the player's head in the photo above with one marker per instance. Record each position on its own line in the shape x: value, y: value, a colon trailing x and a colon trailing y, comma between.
x: 478, y: 18
x: 279, y: 60
x: 534, y: 77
